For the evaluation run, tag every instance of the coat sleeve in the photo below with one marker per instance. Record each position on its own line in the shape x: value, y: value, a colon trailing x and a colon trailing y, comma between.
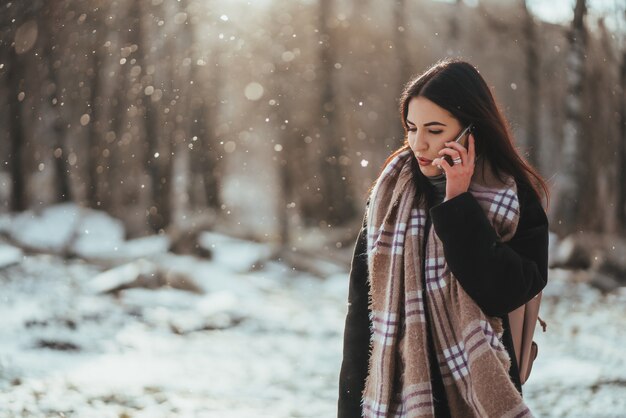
x: 356, y: 333
x: 500, y: 277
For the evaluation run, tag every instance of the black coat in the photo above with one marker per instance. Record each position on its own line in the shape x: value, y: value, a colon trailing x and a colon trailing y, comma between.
x: 479, y: 263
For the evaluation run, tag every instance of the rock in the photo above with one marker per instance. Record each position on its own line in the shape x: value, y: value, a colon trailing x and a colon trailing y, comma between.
x: 602, y: 255
x: 219, y: 310
x: 118, y: 277
x: 309, y: 262
x: 185, y: 234
x: 187, y: 242
x: 167, y: 278
x: 553, y: 245
x: 190, y: 322
x: 603, y: 282
x: 141, y: 273
x: 610, y: 259
x: 572, y: 253
x: 57, y: 345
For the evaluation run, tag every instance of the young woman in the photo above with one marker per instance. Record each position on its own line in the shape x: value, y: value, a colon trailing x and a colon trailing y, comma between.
x: 427, y: 330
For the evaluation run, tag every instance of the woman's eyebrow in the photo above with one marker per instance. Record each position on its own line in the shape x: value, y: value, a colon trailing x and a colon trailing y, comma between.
x: 427, y: 124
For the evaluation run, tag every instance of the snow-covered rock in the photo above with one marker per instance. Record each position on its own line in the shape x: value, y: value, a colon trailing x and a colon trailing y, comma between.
x: 237, y: 254
x: 141, y: 273
x: 9, y: 255
x: 87, y: 233
x: 50, y: 230
x: 5, y: 223
x: 149, y: 247
x: 98, y: 233
x: 145, y: 246
x: 124, y: 275
x: 68, y: 228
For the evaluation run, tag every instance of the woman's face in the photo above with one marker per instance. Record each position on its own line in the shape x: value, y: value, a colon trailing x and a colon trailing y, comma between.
x: 430, y: 127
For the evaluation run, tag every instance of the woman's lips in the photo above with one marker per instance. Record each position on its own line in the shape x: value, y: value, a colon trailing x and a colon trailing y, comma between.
x: 424, y: 161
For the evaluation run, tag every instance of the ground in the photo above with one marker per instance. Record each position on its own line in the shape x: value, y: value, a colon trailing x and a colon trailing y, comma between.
x: 265, y: 343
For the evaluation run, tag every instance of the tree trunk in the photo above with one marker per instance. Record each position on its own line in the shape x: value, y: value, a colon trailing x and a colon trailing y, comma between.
x: 573, y: 163
x: 205, y: 161
x: 336, y: 205
x: 399, y: 41
x: 16, y: 133
x: 532, y: 86
x: 57, y: 127
x: 454, y: 22
x: 157, y: 159
x: 94, y: 141
x: 621, y: 155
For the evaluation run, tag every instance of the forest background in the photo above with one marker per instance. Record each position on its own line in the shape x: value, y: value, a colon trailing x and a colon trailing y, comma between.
x: 182, y: 183
x: 276, y: 116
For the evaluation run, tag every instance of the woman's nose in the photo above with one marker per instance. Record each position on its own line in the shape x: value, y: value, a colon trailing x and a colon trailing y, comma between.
x: 420, y: 142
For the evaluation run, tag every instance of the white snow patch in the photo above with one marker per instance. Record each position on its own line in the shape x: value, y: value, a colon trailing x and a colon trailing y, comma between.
x: 9, y: 255
x: 48, y: 230
x: 233, y: 253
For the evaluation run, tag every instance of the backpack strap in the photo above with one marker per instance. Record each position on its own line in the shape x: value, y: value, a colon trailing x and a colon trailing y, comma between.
x: 522, y: 322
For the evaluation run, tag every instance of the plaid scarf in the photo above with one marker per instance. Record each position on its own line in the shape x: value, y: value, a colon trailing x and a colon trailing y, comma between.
x: 472, y: 360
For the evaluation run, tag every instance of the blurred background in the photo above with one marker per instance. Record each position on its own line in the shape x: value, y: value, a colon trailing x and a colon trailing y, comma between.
x: 182, y: 183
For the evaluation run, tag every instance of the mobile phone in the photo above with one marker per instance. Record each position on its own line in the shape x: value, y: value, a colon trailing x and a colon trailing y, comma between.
x: 461, y: 139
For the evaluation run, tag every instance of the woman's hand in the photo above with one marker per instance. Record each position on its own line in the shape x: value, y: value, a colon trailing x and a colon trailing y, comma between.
x: 459, y: 175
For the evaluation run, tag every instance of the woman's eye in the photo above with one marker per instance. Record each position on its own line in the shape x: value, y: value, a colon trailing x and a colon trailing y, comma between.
x: 436, y: 132
x: 412, y: 129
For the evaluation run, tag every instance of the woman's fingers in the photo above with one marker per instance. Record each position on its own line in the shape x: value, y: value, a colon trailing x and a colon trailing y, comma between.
x: 452, y: 153
x: 441, y: 163
x: 472, y: 150
x: 460, y: 148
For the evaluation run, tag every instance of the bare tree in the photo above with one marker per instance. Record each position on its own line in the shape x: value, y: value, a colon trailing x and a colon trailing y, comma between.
x: 573, y: 163
x: 531, y: 71
x: 22, y: 19
x: 157, y: 156
x: 533, y: 81
x: 621, y: 154
x: 95, y: 138
x: 337, y: 206
x: 399, y: 40
x: 205, y: 101
x: 52, y: 118
x: 454, y: 22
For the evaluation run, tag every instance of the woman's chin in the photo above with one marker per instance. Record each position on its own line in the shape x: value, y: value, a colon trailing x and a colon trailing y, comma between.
x: 430, y: 171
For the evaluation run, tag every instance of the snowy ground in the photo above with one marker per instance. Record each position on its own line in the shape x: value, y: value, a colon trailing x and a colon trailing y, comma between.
x: 260, y: 344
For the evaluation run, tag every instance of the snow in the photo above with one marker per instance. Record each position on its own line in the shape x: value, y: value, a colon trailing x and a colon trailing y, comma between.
x: 581, y: 367
x: 98, y: 232
x: 87, y: 233
x: 67, y: 226
x: 121, y: 275
x: 263, y: 343
x: 282, y: 354
x: 9, y: 255
x: 236, y: 254
x: 49, y: 230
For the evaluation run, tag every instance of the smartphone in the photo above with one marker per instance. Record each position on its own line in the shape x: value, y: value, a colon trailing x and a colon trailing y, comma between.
x: 461, y: 139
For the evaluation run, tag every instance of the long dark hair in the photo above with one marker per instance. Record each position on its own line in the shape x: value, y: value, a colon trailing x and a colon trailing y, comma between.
x: 457, y: 87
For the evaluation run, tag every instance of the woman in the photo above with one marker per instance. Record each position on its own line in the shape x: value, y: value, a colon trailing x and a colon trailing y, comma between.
x: 427, y: 332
